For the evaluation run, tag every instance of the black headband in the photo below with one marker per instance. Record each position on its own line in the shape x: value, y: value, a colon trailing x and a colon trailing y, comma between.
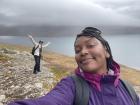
x: 90, y: 31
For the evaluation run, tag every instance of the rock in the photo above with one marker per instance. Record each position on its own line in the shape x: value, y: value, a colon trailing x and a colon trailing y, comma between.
x: 39, y: 85
x: 137, y: 88
x: 2, y: 50
x: 8, y: 51
x: 27, y: 86
x: 2, y: 97
x: 26, y: 53
x: 2, y: 91
x: 1, y: 103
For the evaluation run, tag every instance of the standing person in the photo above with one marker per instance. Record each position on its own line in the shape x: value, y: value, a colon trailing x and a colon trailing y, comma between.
x: 37, y: 51
x: 97, y: 68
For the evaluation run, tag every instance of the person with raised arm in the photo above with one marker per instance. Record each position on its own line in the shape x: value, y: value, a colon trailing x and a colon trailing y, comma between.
x: 37, y: 53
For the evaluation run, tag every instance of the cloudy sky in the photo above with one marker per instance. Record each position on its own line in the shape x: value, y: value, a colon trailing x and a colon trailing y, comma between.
x: 67, y: 17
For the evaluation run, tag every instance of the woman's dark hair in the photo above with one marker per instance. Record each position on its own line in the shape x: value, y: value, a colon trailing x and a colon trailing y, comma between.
x: 94, y: 32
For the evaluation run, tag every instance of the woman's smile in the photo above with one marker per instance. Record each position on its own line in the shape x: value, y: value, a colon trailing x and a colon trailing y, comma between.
x: 87, y: 61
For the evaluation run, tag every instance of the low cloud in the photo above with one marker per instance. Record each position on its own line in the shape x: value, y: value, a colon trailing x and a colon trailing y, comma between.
x: 67, y: 17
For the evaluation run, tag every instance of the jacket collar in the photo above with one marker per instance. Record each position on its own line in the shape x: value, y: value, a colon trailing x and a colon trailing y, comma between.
x: 112, y: 76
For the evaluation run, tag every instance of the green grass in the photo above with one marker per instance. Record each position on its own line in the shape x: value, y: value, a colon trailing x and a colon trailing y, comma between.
x: 59, y: 74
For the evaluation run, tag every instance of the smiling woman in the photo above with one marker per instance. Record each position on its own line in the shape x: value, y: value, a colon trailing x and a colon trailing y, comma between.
x: 90, y: 54
x: 99, y: 71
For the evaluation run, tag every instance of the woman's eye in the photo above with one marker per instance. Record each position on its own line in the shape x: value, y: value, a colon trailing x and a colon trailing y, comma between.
x: 90, y: 46
x: 77, y: 51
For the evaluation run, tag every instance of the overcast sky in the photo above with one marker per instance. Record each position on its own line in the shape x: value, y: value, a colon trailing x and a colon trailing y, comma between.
x: 66, y: 17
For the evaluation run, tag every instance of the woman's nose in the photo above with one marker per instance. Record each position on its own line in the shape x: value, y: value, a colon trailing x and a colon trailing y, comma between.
x: 84, y: 51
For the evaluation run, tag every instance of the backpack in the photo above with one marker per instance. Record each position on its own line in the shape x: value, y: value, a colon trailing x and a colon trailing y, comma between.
x: 82, y: 94
x: 33, y: 49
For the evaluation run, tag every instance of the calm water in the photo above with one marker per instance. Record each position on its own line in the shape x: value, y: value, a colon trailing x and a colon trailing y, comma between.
x: 125, y: 48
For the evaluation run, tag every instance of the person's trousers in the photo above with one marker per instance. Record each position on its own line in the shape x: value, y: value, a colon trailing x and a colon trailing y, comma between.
x: 37, y: 64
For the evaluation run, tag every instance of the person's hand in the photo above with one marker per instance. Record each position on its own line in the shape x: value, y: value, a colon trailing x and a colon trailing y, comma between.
x: 49, y: 43
x: 30, y: 36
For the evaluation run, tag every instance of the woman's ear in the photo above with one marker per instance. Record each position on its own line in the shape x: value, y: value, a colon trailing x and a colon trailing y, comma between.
x: 107, y: 53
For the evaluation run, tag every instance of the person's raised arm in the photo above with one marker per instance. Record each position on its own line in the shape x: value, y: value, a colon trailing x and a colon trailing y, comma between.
x: 46, y: 44
x: 32, y: 39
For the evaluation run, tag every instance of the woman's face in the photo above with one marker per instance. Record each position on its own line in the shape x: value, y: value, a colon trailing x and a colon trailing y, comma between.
x: 90, y: 54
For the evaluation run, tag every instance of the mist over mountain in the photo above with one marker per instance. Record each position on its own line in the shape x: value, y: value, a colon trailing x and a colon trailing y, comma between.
x: 56, y: 31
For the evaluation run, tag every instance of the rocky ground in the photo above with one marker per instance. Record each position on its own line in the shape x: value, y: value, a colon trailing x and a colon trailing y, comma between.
x: 17, y: 80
